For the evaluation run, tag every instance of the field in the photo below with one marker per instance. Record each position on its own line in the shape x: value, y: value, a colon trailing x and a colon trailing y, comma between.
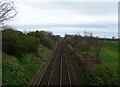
x: 106, y: 73
x: 109, y: 52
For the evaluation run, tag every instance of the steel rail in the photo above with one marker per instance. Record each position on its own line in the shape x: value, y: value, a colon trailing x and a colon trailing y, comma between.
x: 61, y: 74
x: 51, y: 73
x: 68, y: 72
x: 46, y: 68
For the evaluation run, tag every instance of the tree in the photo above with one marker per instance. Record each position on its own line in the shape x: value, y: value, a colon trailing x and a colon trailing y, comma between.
x: 17, y: 43
x: 7, y: 10
x: 87, y: 33
x: 113, y: 37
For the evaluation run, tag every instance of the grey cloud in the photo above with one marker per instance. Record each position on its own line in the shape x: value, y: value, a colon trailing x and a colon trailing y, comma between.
x: 70, y: 26
x: 104, y: 10
x: 91, y: 8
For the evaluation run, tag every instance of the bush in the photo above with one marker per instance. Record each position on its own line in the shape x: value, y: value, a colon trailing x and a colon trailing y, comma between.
x: 102, y: 75
x: 8, y: 32
x: 46, y: 41
x: 19, y: 45
x: 44, y: 38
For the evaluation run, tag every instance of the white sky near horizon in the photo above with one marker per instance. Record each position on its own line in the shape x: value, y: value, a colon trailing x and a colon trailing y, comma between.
x: 67, y: 16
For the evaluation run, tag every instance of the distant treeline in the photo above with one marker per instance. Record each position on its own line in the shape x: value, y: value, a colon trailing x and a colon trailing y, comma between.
x: 108, y: 39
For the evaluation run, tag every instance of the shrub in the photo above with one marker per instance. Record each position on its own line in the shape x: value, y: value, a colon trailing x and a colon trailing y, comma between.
x: 8, y: 32
x: 102, y: 75
x: 47, y: 42
x: 18, y: 45
x: 44, y: 38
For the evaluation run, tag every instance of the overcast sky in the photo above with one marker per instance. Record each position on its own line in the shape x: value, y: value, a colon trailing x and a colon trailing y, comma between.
x: 63, y: 16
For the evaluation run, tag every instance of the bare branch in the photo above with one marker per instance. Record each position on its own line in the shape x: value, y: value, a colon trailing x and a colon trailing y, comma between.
x: 7, y: 10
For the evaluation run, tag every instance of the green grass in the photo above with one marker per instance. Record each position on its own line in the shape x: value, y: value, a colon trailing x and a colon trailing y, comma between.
x: 45, y: 52
x: 109, y: 52
x: 20, y: 70
x: 105, y: 74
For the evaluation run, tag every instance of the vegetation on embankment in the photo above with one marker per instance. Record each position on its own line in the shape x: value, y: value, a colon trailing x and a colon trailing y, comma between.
x: 109, y: 52
x: 19, y: 71
x: 23, y: 55
x: 107, y: 73
x: 95, y: 61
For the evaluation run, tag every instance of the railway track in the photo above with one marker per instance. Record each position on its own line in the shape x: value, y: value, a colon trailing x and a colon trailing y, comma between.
x: 65, y: 75
x: 57, y: 71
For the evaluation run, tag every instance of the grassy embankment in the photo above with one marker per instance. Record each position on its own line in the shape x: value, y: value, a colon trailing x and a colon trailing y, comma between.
x: 106, y: 73
x: 19, y: 71
x: 24, y: 54
x: 92, y: 69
